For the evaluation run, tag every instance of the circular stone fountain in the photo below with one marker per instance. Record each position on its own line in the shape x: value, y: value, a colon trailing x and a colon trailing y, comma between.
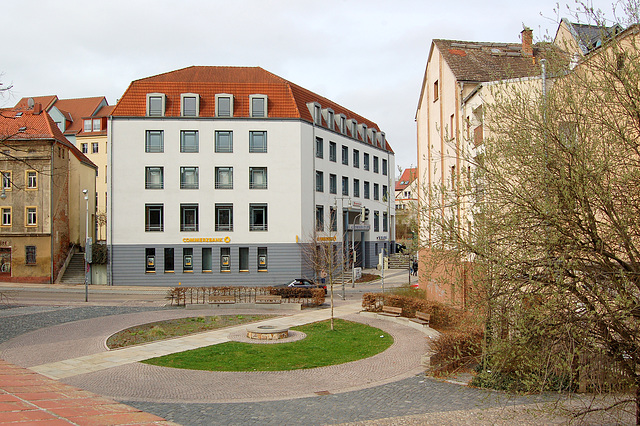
x: 267, y: 332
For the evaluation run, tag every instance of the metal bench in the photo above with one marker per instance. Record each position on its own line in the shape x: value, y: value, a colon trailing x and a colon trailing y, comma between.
x: 268, y: 298
x: 217, y: 298
x: 421, y: 318
x: 391, y: 311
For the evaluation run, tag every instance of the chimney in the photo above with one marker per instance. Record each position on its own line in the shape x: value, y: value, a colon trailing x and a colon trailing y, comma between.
x: 527, y: 41
x: 37, y: 109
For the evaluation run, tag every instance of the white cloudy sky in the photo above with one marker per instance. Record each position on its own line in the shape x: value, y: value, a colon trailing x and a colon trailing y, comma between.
x: 367, y: 55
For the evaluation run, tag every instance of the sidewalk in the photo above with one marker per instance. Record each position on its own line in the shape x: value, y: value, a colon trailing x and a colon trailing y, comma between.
x: 29, y: 398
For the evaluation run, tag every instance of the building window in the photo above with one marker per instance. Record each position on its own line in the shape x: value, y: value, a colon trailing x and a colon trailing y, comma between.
x: 363, y: 128
x: 385, y: 222
x: 385, y: 193
x: 189, y: 178
x: 376, y: 221
x: 189, y: 105
x: 356, y: 158
x: 97, y: 124
x: 224, y: 105
x: 317, y: 115
x: 345, y: 155
x: 356, y: 187
x: 85, y: 148
x: 155, y: 104
x: 187, y: 259
x: 257, y: 217
x: 243, y: 264
x: 436, y: 92
x: 207, y: 259
x: 189, y: 141
x: 330, y: 120
x: 376, y: 191
x: 6, y: 180
x: 87, y: 125
x: 258, y: 105
x: 30, y: 255
x: 154, y: 141
x: 366, y: 190
x: 257, y: 141
x: 320, y: 218
x: 32, y: 179
x: 225, y: 259
x: 353, y: 128
x: 343, y: 124
x: 154, y: 217
x: 31, y: 216
x: 224, y: 217
x: 188, y: 217
x: 262, y: 259
x: 333, y: 184
x: 385, y: 167
x: 150, y: 264
x: 333, y: 218
x: 168, y: 259
x: 6, y: 216
x: 224, y: 141
x: 319, y: 148
x: 224, y: 178
x: 333, y: 153
x: 154, y: 177
x: 319, y: 181
x: 365, y: 161
x: 257, y: 178
x: 94, y: 147
x: 375, y: 164
x: 345, y: 185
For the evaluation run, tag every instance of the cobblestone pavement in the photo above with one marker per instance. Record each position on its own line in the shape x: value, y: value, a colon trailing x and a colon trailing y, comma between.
x: 407, y: 398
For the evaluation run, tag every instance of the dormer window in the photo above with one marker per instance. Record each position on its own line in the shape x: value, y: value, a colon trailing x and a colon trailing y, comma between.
x: 224, y: 105
x: 87, y: 125
x: 316, y: 112
x: 189, y: 105
x: 330, y: 119
x: 374, y: 137
x: 343, y: 124
x: 364, y: 132
x: 96, y: 124
x: 353, y: 128
x: 155, y: 104
x: 258, y: 105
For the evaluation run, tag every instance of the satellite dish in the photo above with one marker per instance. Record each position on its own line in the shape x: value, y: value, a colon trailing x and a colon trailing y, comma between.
x: 30, y: 103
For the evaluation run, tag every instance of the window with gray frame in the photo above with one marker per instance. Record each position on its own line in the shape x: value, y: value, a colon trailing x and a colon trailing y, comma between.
x: 375, y: 164
x: 30, y: 255
x: 154, y: 141
x: 319, y: 181
x: 345, y: 155
x: 345, y: 185
x: 188, y: 217
x: 188, y: 141
x: 320, y: 218
x: 224, y: 217
x: 385, y: 167
x: 365, y: 161
x: 258, y: 217
x: 385, y: 193
x: 257, y: 178
x: 333, y: 184
x: 189, y: 177
x: 333, y: 152
x: 168, y: 259
x: 356, y: 187
x: 189, y: 106
x: 258, y: 107
x: 223, y: 107
x: 154, y: 177
x: 366, y: 190
x: 207, y: 259
x: 154, y: 217
x: 356, y: 158
x: 224, y: 141
x: 376, y: 191
x: 385, y: 222
x: 224, y: 178
x: 155, y: 106
x: 257, y: 141
x: 376, y: 221
x: 319, y: 148
x: 243, y: 255
x: 333, y: 218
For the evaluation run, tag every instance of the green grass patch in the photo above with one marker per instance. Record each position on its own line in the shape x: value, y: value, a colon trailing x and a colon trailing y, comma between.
x: 349, y: 341
x: 159, y: 330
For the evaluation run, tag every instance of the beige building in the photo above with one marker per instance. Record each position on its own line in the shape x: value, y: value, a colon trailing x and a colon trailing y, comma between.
x: 42, y: 206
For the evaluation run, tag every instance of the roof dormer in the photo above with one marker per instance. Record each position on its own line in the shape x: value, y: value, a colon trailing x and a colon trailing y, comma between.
x: 189, y: 105
x: 316, y: 112
x: 224, y: 105
x: 329, y: 118
x: 257, y: 106
x: 156, y: 103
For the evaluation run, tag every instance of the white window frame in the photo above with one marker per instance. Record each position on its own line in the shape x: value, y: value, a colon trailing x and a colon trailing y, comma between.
x: 31, y: 216
x: 32, y: 179
x: 95, y: 147
x: 99, y: 125
x: 6, y: 214
x: 87, y: 126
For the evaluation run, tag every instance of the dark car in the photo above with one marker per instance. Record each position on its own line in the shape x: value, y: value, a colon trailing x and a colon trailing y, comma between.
x: 303, y: 283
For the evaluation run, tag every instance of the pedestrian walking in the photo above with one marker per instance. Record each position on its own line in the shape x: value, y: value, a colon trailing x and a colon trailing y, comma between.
x: 411, y: 267
x: 414, y: 267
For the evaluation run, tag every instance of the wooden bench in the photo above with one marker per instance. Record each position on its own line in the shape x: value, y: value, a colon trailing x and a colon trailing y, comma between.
x: 421, y: 318
x: 268, y: 298
x: 391, y: 311
x: 217, y: 298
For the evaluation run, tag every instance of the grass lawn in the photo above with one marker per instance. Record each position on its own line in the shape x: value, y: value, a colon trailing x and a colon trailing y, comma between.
x: 160, y: 330
x: 349, y: 341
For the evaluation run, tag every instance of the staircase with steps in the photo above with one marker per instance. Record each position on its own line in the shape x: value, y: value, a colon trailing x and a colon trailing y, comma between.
x: 74, y: 274
x: 399, y: 261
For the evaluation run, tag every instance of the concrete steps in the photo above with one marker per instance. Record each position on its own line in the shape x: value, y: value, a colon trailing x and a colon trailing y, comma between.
x: 74, y: 274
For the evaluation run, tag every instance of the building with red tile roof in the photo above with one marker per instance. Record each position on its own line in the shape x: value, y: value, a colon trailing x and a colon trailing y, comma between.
x: 42, y: 207
x: 222, y: 175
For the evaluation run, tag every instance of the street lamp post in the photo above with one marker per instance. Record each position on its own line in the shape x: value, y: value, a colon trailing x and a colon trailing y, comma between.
x: 86, y: 240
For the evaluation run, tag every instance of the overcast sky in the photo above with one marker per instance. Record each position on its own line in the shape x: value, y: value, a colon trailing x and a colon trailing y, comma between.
x: 367, y: 55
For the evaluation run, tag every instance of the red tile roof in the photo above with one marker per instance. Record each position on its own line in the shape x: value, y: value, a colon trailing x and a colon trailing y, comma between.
x: 73, y: 109
x: 285, y: 99
x: 22, y: 124
x: 408, y: 176
x: 46, y: 101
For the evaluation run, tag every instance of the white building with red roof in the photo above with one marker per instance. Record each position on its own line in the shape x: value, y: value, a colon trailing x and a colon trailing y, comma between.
x: 221, y: 175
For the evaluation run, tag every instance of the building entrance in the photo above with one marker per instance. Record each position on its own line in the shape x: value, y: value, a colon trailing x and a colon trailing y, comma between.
x: 5, y: 262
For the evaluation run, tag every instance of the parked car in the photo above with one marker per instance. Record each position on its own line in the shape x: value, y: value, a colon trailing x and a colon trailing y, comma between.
x: 302, y: 283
